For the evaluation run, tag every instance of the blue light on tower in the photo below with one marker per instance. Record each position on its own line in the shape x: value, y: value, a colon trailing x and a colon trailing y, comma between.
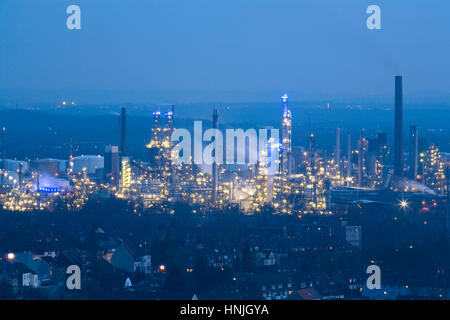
x: 50, y: 189
x: 284, y: 100
x: 286, y: 129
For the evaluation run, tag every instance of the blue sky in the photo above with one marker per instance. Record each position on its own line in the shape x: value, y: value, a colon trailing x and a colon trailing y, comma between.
x: 312, y: 49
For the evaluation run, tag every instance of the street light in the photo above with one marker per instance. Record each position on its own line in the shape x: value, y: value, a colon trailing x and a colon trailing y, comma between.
x: 403, y: 204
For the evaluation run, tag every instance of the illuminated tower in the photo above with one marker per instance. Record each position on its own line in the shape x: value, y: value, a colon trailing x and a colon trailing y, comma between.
x: 167, y: 144
x: 286, y: 133
x: 362, y: 150
x: 155, y: 143
x: 160, y: 148
x: 167, y: 132
x: 434, y: 170
x: 398, y: 154
x: 125, y: 175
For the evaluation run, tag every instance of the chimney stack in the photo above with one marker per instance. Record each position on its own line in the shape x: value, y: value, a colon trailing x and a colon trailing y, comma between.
x: 123, y: 133
x: 4, y: 148
x: 3, y: 156
x: 349, y: 156
x: 398, y: 152
x: 337, y: 152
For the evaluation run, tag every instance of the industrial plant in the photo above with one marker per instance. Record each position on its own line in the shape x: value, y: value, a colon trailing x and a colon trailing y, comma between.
x: 306, y: 180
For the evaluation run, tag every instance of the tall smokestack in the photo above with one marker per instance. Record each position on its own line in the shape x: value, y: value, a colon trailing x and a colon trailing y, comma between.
x: 20, y: 176
x: 349, y: 156
x: 361, y: 150
x: 172, y: 167
x: 4, y: 148
x: 214, y: 165
x: 123, y: 133
x: 3, y: 155
x: 414, y: 152
x: 311, y: 149
x: 398, y: 152
x: 337, y: 152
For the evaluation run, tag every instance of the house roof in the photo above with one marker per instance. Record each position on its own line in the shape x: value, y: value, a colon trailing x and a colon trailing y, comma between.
x: 14, y: 268
x: 305, y: 294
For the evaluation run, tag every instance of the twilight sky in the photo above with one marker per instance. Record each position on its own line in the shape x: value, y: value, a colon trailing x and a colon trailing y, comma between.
x: 208, y: 50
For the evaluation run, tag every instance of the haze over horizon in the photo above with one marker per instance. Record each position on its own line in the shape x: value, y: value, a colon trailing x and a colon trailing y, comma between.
x: 222, y: 51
